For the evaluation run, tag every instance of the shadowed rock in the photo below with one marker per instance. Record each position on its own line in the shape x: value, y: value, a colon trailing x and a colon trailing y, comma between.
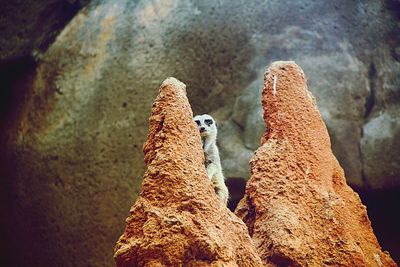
x: 178, y: 219
x: 78, y: 111
x: 297, y: 206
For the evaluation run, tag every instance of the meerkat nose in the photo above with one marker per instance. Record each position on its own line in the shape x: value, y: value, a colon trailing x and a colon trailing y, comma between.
x: 202, y: 129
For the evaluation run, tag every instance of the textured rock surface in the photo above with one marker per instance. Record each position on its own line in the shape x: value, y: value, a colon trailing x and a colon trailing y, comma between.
x: 297, y: 206
x: 360, y: 38
x: 73, y: 154
x: 178, y: 219
x: 29, y: 27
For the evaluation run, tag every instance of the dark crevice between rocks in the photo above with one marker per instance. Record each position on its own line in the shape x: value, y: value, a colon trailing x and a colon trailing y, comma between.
x: 370, y: 101
x: 363, y: 176
x: 250, y: 217
x: 237, y: 190
x: 8, y: 255
x: 57, y: 15
x: 282, y: 260
x: 368, y: 109
x: 236, y: 187
x: 382, y: 207
x: 12, y: 74
x: 15, y: 75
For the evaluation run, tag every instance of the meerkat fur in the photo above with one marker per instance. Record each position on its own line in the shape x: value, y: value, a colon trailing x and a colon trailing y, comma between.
x: 208, y: 132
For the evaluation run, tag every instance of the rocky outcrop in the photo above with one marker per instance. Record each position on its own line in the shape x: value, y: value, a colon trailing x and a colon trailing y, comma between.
x: 27, y: 28
x: 297, y: 205
x: 178, y: 219
x: 360, y: 85
x: 73, y: 155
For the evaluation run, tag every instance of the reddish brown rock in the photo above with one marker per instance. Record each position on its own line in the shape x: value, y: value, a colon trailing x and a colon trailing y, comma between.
x: 297, y: 205
x: 178, y: 219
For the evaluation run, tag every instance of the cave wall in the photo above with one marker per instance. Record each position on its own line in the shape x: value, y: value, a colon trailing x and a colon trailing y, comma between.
x: 72, y: 161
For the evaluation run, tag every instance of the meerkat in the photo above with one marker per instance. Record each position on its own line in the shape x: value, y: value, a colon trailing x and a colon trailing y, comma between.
x: 208, y: 132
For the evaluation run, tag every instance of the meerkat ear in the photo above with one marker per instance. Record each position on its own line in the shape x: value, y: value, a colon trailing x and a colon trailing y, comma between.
x: 216, y: 124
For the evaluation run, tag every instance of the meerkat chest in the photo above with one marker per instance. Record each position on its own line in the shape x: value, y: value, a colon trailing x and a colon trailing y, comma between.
x: 211, y: 156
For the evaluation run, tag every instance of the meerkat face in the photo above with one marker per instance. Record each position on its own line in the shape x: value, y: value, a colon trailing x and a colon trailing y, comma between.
x: 206, y: 125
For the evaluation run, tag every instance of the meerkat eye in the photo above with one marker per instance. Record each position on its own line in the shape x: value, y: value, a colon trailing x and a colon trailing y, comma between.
x: 198, y: 122
x: 208, y: 122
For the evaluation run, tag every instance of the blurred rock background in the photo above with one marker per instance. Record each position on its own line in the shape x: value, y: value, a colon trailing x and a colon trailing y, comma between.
x: 78, y: 79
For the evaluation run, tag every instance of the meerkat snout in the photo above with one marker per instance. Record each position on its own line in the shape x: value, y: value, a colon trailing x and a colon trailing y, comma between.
x: 208, y: 132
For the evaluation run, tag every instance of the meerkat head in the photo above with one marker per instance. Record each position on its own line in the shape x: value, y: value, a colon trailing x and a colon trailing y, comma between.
x: 206, y: 125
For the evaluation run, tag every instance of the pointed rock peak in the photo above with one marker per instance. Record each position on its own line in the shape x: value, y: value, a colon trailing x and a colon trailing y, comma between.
x: 297, y: 205
x: 287, y: 103
x: 171, y: 125
x: 178, y: 220
x: 173, y: 83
